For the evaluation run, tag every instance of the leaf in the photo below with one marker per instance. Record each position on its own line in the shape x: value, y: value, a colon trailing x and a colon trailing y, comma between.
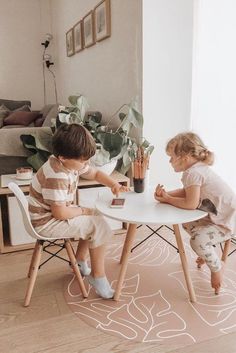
x: 63, y: 117
x: 73, y: 99
x: 83, y: 106
x: 40, y: 144
x: 43, y: 141
x: 37, y: 160
x: 122, y: 116
x: 135, y: 117
x: 111, y: 142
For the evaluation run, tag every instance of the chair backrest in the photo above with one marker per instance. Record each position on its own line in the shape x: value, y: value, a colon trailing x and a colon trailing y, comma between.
x: 23, y: 204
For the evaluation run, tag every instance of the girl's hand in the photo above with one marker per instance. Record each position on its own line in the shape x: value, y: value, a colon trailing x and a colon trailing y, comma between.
x: 117, y: 188
x: 158, y: 191
x: 162, y: 196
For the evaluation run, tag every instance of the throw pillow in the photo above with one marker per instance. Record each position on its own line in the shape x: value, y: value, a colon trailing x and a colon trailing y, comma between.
x: 20, y: 118
x: 4, y: 112
x: 39, y: 121
x: 25, y: 108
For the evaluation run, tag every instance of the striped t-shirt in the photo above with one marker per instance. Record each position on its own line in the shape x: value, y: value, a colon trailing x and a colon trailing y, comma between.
x: 52, y: 184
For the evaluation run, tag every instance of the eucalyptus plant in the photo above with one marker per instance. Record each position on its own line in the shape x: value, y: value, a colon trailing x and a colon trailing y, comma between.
x: 112, y: 143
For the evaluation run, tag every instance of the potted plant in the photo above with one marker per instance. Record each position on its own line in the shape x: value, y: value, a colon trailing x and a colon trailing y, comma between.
x: 113, y: 144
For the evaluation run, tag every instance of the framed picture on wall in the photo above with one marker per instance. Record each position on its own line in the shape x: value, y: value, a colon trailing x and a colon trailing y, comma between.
x: 78, y: 37
x: 102, y: 19
x: 70, y: 42
x: 88, y: 29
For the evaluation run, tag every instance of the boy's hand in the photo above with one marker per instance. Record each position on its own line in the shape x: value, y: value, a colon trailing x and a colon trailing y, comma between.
x: 117, y: 188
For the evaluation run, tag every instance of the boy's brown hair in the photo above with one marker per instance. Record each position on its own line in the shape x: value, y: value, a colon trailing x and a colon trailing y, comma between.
x: 73, y: 142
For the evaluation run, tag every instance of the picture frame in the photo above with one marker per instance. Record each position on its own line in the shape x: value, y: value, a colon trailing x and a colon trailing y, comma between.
x: 102, y: 20
x: 70, y: 42
x: 78, y: 37
x: 88, y: 29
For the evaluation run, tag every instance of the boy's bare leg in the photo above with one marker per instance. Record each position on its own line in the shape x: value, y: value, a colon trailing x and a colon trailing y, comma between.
x: 98, y: 277
x: 82, y: 250
x: 81, y: 257
x: 97, y: 256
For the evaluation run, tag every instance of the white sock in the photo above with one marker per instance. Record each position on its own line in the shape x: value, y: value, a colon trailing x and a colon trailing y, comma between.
x: 102, y: 287
x: 84, y: 269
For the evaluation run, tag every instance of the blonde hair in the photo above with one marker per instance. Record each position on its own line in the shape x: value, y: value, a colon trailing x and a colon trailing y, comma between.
x: 188, y: 143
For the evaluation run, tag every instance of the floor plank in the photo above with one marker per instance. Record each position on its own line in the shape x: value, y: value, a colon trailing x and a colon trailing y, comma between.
x: 48, y: 325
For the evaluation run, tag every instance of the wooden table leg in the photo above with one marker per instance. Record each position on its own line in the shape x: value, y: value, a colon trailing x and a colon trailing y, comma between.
x: 124, y: 258
x: 184, y: 262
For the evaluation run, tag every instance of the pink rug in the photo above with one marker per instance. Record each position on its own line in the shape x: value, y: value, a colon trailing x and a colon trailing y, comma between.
x: 154, y: 305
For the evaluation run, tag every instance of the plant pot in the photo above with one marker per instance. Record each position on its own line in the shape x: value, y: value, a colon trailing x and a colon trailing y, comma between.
x: 107, y: 168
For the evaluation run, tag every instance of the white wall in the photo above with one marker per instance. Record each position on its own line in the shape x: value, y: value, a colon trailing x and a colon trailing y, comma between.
x: 22, y: 27
x: 167, y: 66
x: 108, y: 73
x: 214, y: 82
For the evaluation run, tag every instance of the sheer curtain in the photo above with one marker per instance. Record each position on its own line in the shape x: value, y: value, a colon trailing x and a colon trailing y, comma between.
x: 213, y: 109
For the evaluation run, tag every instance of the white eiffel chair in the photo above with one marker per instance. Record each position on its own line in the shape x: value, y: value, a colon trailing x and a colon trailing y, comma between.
x: 36, y: 257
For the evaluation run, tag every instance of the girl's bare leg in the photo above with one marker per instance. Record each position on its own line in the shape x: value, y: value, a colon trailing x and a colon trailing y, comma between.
x: 97, y: 256
x: 217, y: 278
x: 200, y: 262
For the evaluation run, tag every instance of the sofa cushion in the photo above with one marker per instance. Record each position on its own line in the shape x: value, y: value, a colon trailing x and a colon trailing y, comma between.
x: 20, y: 118
x: 16, y: 148
x: 4, y: 112
x: 46, y: 109
x: 52, y: 114
x: 13, y: 104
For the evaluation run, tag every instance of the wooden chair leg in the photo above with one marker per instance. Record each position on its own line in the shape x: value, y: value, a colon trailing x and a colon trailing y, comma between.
x: 34, y: 271
x: 226, y: 250
x: 75, y: 267
x: 32, y: 259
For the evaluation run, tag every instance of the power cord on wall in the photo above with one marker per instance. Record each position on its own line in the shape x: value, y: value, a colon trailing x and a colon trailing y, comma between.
x: 46, y: 61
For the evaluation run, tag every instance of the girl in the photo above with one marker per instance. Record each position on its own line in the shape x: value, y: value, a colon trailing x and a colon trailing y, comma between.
x: 205, y: 190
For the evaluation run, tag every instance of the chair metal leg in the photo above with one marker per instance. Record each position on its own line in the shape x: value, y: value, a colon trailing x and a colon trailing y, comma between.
x: 155, y: 232
x: 34, y: 271
x: 75, y: 267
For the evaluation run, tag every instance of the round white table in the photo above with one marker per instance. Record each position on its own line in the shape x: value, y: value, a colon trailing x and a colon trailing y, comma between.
x: 144, y: 209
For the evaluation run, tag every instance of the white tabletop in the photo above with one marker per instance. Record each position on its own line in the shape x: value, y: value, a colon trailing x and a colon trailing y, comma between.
x: 144, y: 209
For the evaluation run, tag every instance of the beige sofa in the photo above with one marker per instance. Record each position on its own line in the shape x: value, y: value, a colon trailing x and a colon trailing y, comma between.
x: 12, y: 152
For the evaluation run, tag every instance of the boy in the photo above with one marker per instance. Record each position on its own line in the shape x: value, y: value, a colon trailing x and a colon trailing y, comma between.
x: 52, y: 193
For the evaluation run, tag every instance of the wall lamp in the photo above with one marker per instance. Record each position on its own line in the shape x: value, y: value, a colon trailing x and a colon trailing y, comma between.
x: 48, y: 38
x: 46, y: 59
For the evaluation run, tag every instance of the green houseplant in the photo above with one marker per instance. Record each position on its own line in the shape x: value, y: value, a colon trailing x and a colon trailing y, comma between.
x: 113, y: 144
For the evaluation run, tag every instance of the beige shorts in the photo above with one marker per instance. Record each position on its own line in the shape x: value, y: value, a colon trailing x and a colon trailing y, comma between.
x: 92, y: 228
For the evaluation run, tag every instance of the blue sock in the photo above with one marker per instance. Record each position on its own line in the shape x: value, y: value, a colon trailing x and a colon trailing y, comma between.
x: 84, y: 269
x: 102, y: 287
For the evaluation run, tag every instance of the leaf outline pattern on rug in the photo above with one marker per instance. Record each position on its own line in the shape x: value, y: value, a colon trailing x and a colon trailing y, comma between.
x: 214, y: 313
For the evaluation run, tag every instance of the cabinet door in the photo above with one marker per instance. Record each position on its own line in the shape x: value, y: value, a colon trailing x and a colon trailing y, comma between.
x: 87, y: 198
x: 18, y: 234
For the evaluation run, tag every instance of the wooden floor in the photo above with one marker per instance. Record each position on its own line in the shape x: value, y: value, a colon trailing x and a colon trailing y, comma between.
x: 49, y: 326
